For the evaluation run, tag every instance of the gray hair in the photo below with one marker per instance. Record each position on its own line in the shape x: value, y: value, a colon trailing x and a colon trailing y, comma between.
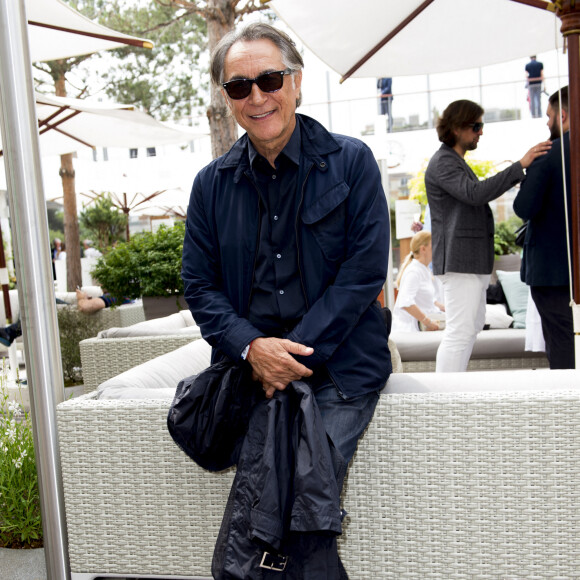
x: 255, y: 31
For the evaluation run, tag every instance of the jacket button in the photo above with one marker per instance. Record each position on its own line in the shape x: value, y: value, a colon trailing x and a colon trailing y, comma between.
x: 322, y: 165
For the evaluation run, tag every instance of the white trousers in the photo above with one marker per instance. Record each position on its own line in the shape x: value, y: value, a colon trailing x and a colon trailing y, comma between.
x: 465, y: 299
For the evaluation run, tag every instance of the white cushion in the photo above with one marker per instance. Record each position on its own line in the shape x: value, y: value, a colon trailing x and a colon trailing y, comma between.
x: 482, y: 381
x: 173, y: 324
x: 516, y: 293
x: 158, y: 377
x: 497, y: 317
x: 493, y: 343
x: 129, y: 331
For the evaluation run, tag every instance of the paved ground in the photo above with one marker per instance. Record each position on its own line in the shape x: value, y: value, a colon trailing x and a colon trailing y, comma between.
x: 22, y: 564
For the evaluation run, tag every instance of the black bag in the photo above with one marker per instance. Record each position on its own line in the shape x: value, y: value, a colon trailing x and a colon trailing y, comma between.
x: 521, y: 234
x: 209, y: 415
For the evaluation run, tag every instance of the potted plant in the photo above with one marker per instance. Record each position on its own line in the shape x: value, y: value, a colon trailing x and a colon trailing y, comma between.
x: 507, y: 252
x: 504, y: 239
x: 148, y: 266
x: 20, y: 517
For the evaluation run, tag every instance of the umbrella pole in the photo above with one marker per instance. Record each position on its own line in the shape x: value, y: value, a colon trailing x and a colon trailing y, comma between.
x: 35, y: 284
x: 569, y: 13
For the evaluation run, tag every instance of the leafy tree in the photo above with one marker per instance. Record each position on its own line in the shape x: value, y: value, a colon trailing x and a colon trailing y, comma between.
x: 104, y: 221
x: 159, y: 80
x: 221, y: 16
x: 163, y: 81
x: 57, y: 70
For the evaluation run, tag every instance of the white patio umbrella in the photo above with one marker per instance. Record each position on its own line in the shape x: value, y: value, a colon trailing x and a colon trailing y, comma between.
x: 58, y: 31
x: 67, y: 125
x: 378, y: 38
x: 172, y: 202
x: 27, y: 205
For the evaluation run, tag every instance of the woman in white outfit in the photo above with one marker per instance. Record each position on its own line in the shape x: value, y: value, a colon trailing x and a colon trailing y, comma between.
x: 417, y: 298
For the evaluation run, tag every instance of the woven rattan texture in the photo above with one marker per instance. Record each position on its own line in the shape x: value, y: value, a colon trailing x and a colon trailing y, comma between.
x: 443, y: 486
x: 135, y: 504
x: 104, y: 358
x: 121, y: 316
x: 457, y: 486
x: 482, y: 364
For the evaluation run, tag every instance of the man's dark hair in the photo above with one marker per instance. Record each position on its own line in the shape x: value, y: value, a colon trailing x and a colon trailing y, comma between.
x: 457, y: 115
x: 554, y: 100
x: 256, y: 31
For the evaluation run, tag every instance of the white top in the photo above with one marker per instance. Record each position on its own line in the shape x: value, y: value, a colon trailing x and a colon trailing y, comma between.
x: 417, y: 288
x: 92, y: 253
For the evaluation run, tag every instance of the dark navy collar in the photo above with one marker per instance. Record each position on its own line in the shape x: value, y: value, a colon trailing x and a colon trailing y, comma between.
x: 291, y: 149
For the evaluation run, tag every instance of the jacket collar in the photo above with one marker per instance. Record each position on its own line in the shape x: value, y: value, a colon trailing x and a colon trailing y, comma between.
x: 317, y: 143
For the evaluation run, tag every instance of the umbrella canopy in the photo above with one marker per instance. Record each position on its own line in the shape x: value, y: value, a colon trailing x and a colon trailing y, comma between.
x: 418, y: 36
x: 66, y: 125
x: 58, y: 31
x: 380, y: 38
x: 168, y: 202
x: 44, y: 369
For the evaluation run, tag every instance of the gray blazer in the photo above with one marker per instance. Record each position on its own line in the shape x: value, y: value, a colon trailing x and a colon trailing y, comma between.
x: 462, y: 223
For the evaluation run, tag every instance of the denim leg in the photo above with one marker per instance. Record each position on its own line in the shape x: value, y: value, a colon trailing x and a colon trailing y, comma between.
x: 344, y: 419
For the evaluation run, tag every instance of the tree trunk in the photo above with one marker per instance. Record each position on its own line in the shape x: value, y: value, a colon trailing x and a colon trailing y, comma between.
x: 71, y: 222
x: 223, y: 127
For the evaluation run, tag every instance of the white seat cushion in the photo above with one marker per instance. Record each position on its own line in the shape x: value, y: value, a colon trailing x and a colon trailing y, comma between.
x: 158, y: 377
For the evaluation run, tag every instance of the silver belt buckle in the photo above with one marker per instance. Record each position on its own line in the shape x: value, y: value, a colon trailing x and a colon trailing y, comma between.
x: 274, y: 562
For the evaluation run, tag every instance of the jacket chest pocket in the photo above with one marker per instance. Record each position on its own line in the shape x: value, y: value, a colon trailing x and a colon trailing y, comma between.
x: 326, y: 220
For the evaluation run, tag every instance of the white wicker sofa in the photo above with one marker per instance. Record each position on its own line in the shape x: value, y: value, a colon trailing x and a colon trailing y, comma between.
x: 494, y: 349
x: 458, y: 476
x: 116, y: 350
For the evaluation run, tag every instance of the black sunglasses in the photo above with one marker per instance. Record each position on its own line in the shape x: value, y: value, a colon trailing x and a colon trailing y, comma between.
x: 477, y: 127
x: 267, y: 83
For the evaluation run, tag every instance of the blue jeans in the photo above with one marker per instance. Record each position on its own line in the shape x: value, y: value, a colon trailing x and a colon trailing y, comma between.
x: 536, y: 99
x: 344, y: 419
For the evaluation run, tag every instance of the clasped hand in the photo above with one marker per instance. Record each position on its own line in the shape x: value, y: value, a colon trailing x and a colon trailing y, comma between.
x: 273, y: 364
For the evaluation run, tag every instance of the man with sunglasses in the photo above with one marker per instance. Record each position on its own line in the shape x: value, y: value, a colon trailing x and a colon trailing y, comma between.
x: 540, y: 201
x: 462, y: 227
x: 286, y: 245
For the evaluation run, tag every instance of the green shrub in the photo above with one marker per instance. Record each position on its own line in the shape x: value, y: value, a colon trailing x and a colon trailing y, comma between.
x: 148, y: 265
x: 74, y: 326
x: 504, y: 238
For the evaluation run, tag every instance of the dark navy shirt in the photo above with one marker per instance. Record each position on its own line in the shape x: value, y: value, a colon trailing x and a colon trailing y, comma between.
x: 277, y: 303
x: 534, y: 70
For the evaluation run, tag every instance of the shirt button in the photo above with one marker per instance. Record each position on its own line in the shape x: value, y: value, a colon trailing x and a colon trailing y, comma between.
x: 278, y: 256
x: 273, y: 177
x: 275, y: 218
x: 281, y: 291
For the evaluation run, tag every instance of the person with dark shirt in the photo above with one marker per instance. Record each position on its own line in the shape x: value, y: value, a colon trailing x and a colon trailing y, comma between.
x: 385, y: 86
x: 535, y: 78
x: 286, y: 243
x: 540, y: 201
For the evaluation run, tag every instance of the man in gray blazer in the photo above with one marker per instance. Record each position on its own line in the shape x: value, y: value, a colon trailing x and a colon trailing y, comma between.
x: 463, y: 226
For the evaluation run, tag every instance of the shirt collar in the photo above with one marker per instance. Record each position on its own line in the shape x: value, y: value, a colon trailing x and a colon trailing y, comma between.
x: 291, y: 150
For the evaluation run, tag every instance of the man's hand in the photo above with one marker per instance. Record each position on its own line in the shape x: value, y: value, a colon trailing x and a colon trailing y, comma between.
x: 272, y: 364
x: 536, y: 151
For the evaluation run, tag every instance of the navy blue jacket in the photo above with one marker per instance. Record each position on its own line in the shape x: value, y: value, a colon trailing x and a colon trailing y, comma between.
x: 343, y: 235
x: 541, y: 202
